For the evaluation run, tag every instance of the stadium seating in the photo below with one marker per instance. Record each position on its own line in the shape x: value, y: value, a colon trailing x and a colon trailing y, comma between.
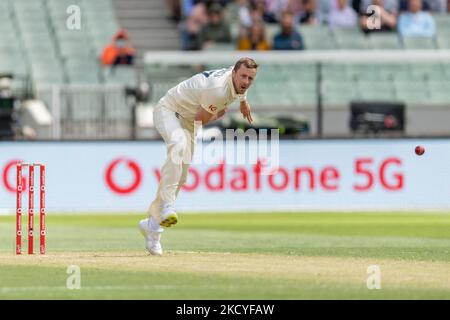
x: 317, y: 37
x: 384, y: 41
x: 442, y: 21
x: 349, y: 38
x: 439, y: 93
x: 443, y: 39
x: 320, y: 37
x: 294, y: 85
x: 52, y: 50
x: 124, y: 75
x: 303, y: 72
x: 337, y: 94
x: 304, y: 94
x: 82, y: 71
x: 376, y: 91
x: 36, y: 41
x: 334, y: 72
x: 421, y: 43
x: 221, y: 47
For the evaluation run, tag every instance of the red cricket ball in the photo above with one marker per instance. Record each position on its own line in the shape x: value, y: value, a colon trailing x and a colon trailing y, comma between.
x: 420, y: 150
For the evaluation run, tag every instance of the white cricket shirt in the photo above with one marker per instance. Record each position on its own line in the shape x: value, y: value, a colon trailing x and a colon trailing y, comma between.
x: 212, y: 90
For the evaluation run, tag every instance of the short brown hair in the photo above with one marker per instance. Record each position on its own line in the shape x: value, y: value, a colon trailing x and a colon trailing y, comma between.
x: 247, y: 62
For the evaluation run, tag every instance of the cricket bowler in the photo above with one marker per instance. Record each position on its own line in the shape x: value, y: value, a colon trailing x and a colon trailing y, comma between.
x: 202, y: 98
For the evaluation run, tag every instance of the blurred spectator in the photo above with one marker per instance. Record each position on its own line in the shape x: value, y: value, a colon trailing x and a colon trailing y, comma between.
x: 244, y: 33
x: 288, y: 38
x: 309, y: 12
x: 357, y: 6
x: 388, y: 19
x: 342, y: 15
x: 254, y: 38
x: 190, y: 30
x: 245, y: 17
x: 389, y: 5
x: 119, y: 51
x: 187, y: 7
x: 223, y: 3
x: 296, y: 7
x: 403, y: 6
x: 174, y: 7
x: 216, y: 30
x: 258, y: 11
x: 439, y: 6
x: 273, y: 8
x: 415, y: 22
x: 324, y: 9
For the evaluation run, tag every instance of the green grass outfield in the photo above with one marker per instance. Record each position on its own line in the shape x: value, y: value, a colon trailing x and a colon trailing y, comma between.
x: 235, y: 256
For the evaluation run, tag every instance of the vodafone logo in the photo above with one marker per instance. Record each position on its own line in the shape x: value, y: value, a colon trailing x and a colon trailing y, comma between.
x: 117, y: 186
x: 9, y: 176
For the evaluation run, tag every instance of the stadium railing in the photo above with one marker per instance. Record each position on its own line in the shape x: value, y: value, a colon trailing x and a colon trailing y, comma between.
x: 88, y: 111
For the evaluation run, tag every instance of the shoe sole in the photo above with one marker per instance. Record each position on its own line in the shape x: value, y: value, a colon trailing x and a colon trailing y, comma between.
x: 169, y: 221
x: 154, y: 253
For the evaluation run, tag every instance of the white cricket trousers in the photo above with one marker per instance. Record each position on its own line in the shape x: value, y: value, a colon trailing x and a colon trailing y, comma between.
x: 179, y: 136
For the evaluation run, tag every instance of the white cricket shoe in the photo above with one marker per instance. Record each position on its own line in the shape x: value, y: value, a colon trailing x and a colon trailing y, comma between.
x: 168, y: 216
x: 152, y: 238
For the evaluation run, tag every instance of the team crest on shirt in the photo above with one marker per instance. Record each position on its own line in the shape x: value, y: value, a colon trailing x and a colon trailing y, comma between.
x: 212, y: 108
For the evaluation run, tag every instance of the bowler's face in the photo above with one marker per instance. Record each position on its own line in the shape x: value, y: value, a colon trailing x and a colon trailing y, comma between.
x: 243, y: 79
